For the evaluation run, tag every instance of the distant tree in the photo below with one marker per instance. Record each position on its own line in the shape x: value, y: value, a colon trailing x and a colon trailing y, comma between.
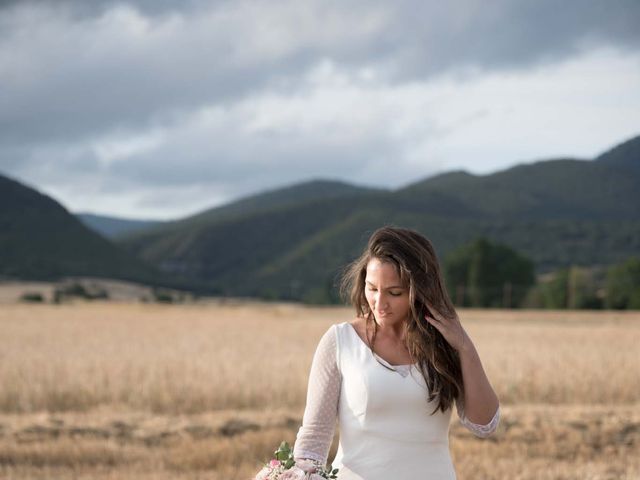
x: 486, y: 274
x: 323, y: 294
x: 582, y: 289
x: 162, y: 296
x: 554, y: 291
x: 32, y: 297
x: 78, y: 290
x: 573, y: 287
x: 623, y: 285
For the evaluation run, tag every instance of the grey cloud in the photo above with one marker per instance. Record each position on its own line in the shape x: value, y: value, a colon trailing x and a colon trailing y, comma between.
x: 506, y: 33
x: 54, y: 164
x: 246, y: 161
x: 83, y: 78
x: 83, y: 9
x: 69, y: 77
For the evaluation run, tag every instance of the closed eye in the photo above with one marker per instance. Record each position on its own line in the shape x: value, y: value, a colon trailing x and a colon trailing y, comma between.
x: 394, y: 294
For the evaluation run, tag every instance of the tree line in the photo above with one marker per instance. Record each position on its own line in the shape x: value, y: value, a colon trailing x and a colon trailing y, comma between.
x: 490, y: 275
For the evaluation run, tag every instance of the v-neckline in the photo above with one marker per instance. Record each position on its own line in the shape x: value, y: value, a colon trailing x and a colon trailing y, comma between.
x: 362, y: 342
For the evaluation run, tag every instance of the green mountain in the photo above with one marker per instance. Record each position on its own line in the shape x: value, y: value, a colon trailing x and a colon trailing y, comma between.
x: 40, y: 239
x: 291, y: 243
x: 563, y: 189
x: 626, y: 155
x: 263, y: 202
x: 308, y: 191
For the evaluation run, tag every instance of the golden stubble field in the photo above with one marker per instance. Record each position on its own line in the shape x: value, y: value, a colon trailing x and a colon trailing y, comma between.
x: 124, y: 391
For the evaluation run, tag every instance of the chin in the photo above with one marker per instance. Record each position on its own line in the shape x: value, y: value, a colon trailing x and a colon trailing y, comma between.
x: 386, y: 320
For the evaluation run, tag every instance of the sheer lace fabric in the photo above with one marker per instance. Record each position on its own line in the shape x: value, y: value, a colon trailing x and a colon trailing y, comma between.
x: 314, y: 437
x: 318, y: 423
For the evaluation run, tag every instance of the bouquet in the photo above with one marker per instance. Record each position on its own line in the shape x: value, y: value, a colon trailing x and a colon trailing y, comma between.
x: 284, y: 467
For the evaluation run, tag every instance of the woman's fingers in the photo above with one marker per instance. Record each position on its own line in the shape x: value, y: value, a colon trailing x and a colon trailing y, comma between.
x: 436, y: 318
x: 441, y: 318
x: 431, y: 319
x: 436, y: 314
x: 450, y: 328
x: 435, y: 323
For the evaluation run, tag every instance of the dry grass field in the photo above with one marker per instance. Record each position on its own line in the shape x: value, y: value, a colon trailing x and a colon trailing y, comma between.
x: 124, y: 391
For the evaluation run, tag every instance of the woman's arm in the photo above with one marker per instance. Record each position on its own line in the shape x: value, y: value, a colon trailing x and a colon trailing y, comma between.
x: 318, y: 424
x: 480, y: 401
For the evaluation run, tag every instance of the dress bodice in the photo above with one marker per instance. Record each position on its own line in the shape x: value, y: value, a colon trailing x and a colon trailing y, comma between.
x: 387, y: 429
x: 386, y: 426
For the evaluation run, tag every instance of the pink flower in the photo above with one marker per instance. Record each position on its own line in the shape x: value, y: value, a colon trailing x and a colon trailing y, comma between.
x: 263, y: 474
x: 274, y: 463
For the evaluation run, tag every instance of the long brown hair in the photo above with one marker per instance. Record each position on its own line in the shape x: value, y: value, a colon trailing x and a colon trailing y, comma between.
x: 415, y: 260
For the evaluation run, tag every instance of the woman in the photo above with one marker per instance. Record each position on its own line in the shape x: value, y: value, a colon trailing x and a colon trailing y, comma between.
x: 392, y: 375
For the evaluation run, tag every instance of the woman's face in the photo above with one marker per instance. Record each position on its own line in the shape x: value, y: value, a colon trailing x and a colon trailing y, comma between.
x: 387, y: 298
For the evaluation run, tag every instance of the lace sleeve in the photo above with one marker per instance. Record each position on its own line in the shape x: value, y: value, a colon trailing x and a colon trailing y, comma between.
x: 318, y: 424
x: 478, y: 430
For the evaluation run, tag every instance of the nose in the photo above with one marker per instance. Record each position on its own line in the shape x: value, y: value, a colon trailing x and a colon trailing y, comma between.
x: 380, y: 300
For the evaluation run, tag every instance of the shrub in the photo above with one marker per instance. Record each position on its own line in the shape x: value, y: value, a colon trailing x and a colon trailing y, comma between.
x: 32, y: 297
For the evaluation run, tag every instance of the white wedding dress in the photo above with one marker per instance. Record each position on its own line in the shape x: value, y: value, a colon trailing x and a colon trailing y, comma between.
x: 386, y: 430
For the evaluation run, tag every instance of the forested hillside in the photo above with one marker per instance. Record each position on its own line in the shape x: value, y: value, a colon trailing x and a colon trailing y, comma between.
x: 292, y: 243
x: 40, y: 239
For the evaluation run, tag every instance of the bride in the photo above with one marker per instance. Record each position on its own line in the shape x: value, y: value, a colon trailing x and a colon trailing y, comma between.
x: 391, y: 376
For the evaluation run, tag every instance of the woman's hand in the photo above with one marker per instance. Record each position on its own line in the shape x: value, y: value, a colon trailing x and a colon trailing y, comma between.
x: 450, y: 328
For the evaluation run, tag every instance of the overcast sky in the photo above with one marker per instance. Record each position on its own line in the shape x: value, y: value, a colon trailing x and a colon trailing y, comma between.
x: 159, y: 109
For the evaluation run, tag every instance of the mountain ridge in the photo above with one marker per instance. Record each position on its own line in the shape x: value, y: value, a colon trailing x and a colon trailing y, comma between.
x: 298, y: 249
x: 41, y: 240
x: 293, y: 242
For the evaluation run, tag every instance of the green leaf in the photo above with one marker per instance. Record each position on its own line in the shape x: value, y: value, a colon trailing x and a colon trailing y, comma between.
x: 283, y: 452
